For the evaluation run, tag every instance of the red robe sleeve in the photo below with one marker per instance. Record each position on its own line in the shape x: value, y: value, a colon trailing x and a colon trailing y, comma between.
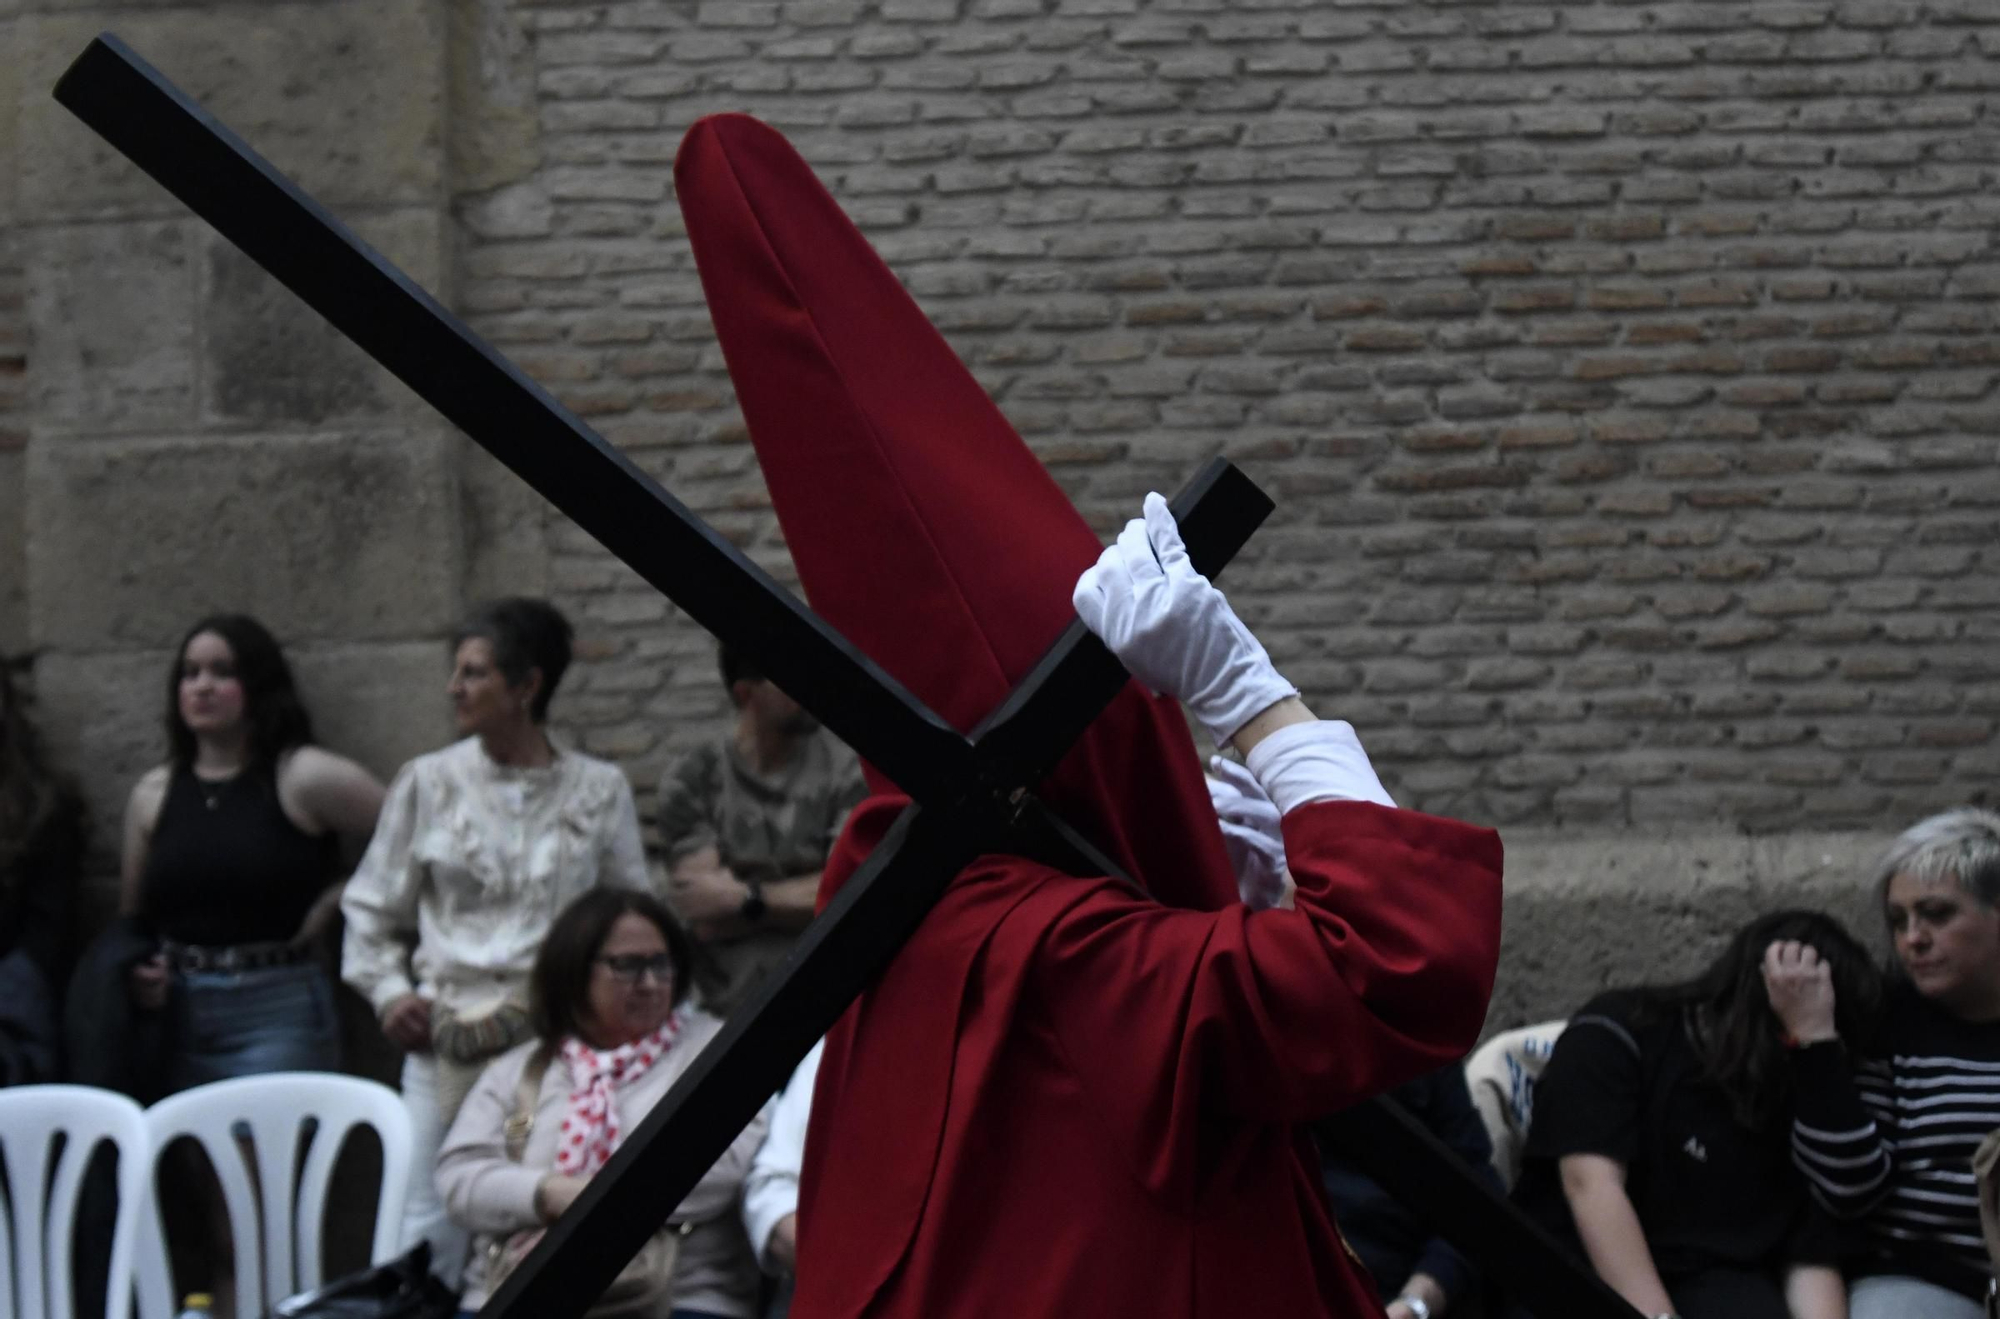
x: 1170, y: 1018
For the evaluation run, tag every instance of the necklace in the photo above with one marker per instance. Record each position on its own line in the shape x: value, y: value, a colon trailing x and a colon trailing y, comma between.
x: 212, y: 790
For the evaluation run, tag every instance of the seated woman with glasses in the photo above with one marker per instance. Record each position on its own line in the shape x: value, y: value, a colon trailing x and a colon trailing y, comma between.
x: 613, y: 1033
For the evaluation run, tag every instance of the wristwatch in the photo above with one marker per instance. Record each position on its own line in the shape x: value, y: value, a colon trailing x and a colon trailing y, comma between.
x: 1416, y: 1305
x: 754, y: 906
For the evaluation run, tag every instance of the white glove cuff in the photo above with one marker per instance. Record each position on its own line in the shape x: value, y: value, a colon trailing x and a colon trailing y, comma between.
x: 1247, y: 698
x: 1242, y: 687
x: 1320, y: 761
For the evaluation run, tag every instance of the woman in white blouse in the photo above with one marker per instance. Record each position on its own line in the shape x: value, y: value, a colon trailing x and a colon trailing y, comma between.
x: 479, y: 846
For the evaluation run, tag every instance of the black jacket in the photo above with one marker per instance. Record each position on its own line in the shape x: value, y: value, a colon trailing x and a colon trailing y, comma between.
x: 27, y: 1022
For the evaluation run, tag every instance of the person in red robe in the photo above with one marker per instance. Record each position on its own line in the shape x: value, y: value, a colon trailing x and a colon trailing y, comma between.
x: 1069, y: 1095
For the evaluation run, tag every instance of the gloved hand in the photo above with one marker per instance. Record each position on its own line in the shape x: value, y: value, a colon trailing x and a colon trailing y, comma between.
x: 1250, y: 833
x: 1173, y: 630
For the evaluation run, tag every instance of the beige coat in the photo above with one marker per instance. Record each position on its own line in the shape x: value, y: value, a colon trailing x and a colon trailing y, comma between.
x: 494, y: 1197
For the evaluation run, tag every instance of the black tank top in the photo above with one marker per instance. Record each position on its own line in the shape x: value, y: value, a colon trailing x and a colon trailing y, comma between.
x: 228, y: 866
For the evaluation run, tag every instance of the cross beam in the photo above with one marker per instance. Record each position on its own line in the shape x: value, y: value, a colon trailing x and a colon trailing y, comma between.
x: 970, y: 794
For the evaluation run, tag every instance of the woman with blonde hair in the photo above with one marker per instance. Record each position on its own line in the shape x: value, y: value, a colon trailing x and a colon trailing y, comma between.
x: 1887, y: 1138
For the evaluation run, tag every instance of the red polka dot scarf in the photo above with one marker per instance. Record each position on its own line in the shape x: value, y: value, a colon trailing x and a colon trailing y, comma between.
x: 590, y: 1130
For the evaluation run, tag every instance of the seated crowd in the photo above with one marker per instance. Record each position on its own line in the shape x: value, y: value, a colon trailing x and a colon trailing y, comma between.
x: 1794, y: 1133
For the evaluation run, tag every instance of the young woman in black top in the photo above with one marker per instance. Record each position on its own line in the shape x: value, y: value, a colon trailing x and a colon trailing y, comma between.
x: 1659, y: 1139
x: 231, y: 853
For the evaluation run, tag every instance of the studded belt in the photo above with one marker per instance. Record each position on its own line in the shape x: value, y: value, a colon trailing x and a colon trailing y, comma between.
x: 235, y: 956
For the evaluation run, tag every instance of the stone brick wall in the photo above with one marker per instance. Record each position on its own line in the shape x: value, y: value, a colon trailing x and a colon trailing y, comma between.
x: 13, y: 371
x: 13, y: 444
x: 184, y: 436
x: 1623, y: 370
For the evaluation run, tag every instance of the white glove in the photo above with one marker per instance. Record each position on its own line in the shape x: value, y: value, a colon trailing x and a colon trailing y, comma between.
x: 1319, y: 761
x: 1250, y: 833
x: 1173, y: 630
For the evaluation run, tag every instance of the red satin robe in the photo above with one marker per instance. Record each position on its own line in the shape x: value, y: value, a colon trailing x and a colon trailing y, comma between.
x: 1065, y: 1099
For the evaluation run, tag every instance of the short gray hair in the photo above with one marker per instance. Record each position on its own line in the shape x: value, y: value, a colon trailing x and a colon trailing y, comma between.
x: 1962, y: 846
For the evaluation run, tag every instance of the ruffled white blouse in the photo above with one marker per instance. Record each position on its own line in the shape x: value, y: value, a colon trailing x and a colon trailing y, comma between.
x: 470, y: 864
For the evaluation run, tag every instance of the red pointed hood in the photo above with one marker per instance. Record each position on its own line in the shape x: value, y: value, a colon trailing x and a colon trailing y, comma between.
x: 923, y: 528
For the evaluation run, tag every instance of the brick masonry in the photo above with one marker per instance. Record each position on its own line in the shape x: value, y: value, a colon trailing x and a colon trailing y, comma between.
x: 1624, y: 371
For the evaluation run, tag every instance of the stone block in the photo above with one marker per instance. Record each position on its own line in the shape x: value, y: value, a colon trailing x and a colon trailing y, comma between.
x: 492, y: 71
x: 10, y: 111
x: 346, y: 537
x: 101, y: 716
x: 269, y: 359
x: 381, y: 703
x: 346, y: 99
x: 1586, y: 913
x: 505, y: 525
x: 110, y: 312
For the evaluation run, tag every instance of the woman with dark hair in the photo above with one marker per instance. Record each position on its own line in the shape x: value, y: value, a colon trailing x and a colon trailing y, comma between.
x: 480, y: 845
x: 1888, y: 1139
x: 1659, y: 1142
x: 612, y: 1034
x: 41, y: 849
x: 231, y: 856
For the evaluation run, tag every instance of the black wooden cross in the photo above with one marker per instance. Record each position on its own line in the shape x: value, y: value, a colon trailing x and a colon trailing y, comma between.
x: 971, y: 795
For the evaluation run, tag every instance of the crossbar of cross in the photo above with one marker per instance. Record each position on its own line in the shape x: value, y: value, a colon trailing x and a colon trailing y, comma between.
x: 970, y: 794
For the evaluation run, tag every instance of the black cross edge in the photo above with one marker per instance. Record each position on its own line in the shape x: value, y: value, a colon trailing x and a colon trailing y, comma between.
x: 969, y: 794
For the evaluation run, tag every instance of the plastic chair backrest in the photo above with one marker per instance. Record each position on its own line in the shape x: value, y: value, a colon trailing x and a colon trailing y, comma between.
x: 1501, y: 1076
x: 277, y: 1217
x: 35, y: 1254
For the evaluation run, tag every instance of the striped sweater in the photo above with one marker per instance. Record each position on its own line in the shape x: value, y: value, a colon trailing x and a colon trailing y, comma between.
x: 1890, y: 1142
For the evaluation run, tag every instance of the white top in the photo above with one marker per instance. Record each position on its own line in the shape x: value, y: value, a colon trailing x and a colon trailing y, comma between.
x: 772, y: 1189
x: 470, y: 863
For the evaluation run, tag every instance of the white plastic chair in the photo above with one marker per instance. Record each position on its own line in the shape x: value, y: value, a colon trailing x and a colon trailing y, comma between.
x: 1501, y: 1076
x: 35, y: 1255
x: 278, y: 1217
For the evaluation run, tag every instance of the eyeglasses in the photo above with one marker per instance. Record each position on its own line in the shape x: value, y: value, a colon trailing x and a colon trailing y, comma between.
x: 629, y: 967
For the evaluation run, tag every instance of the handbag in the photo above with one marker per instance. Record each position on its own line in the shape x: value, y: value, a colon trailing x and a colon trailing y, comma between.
x: 472, y: 1040
x: 400, y: 1289
x: 461, y: 1046
x: 640, y: 1291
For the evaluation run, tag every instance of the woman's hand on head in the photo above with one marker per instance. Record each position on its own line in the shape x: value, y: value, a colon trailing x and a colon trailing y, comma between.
x: 1800, y: 987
